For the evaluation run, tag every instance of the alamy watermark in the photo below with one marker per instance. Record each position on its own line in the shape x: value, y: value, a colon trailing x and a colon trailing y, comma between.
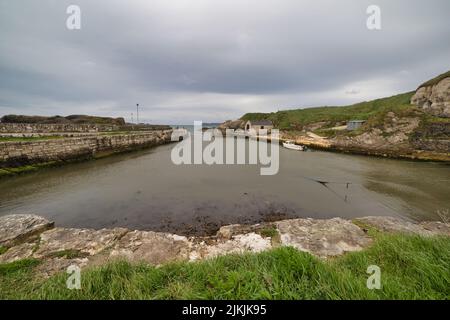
x: 374, y: 280
x: 73, y: 21
x: 374, y: 20
x: 444, y: 215
x: 262, y: 148
x: 74, y: 280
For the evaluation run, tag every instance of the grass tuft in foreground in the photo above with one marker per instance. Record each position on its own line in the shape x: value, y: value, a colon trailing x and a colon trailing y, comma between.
x: 3, y: 249
x: 412, y: 267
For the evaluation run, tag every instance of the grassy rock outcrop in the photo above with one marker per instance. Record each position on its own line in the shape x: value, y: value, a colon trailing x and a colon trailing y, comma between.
x: 75, y: 119
x: 433, y: 96
x: 412, y: 125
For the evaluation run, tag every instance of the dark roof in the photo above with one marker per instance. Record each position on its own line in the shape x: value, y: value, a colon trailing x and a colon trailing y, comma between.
x: 261, y: 123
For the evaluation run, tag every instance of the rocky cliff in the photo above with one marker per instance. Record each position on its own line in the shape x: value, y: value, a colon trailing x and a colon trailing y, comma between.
x: 433, y: 96
x: 415, y: 136
x: 420, y: 131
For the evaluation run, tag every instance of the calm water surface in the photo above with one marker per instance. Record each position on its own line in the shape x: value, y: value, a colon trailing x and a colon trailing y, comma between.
x: 144, y: 190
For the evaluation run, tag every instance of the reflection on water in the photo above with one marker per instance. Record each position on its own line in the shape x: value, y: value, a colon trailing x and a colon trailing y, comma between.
x: 423, y: 188
x: 144, y: 190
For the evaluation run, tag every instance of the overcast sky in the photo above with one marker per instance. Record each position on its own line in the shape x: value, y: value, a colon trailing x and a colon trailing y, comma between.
x: 213, y: 60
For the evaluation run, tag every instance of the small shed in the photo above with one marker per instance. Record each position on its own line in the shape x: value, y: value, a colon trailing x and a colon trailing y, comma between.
x: 258, y: 125
x: 354, y: 124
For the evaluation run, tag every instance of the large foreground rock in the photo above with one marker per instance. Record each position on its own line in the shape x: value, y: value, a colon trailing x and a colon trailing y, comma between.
x: 85, y: 241
x: 19, y: 252
x: 151, y: 247
x: 392, y: 224
x: 436, y: 227
x: 18, y: 228
x: 323, y: 238
x: 241, y: 243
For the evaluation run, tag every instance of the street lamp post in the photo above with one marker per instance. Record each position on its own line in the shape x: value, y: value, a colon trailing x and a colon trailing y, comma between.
x: 137, y: 113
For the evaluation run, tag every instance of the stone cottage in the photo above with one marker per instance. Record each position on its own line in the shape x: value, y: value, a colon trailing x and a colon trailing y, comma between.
x: 258, y: 125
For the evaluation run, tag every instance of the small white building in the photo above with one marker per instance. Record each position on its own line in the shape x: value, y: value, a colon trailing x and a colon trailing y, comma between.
x: 258, y: 125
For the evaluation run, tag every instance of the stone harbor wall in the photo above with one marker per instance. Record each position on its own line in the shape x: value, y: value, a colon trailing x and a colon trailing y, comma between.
x: 30, y: 236
x: 73, y: 127
x: 16, y: 154
x: 63, y: 127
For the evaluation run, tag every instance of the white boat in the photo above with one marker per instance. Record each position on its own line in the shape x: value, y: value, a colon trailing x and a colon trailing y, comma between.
x: 291, y: 145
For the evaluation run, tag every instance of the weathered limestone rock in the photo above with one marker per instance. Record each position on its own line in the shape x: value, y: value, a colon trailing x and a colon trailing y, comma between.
x: 250, y: 242
x: 18, y: 228
x: 49, y: 267
x: 394, y: 134
x: 19, y: 252
x: 391, y: 224
x: 436, y: 227
x: 151, y: 247
x: 322, y: 238
x: 232, y: 124
x: 85, y: 241
x: 434, y: 99
x: 227, y: 232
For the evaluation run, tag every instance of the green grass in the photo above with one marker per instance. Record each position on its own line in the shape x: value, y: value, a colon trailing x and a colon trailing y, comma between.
x: 412, y: 267
x: 268, y: 232
x: 23, y: 139
x: 295, y: 119
x: 3, y: 250
x: 10, y: 172
x: 21, y: 267
x: 15, y: 275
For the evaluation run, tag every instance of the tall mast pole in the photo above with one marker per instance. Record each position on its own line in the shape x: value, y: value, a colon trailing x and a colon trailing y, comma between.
x: 137, y: 113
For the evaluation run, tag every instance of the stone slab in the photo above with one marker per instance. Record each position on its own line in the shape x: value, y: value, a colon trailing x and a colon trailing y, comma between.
x: 19, y: 252
x: 151, y: 247
x: 85, y: 241
x: 250, y: 242
x: 18, y: 228
x: 323, y: 238
x: 393, y: 224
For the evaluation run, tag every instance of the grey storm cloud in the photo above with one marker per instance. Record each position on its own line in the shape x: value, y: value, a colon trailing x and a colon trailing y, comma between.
x: 213, y: 60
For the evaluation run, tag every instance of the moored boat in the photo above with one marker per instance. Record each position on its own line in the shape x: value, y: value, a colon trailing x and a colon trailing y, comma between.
x: 291, y: 145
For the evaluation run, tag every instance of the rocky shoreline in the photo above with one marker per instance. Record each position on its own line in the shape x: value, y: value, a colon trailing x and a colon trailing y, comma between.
x: 396, y: 145
x: 359, y: 146
x: 31, y: 236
